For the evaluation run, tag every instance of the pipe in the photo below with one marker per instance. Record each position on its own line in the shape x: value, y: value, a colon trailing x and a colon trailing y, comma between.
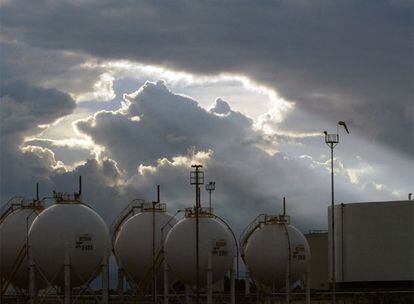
x: 209, y: 279
x: 120, y: 287
x: 105, y: 280
x: 67, y: 276
x: 32, y: 276
x: 307, y: 282
x: 333, y: 228
x: 80, y: 186
x: 232, y: 285
x: 247, y: 284
x: 288, y: 266
x: 284, y: 206
x: 187, y: 294
x: 166, y: 285
x: 154, y: 276
x: 342, y: 242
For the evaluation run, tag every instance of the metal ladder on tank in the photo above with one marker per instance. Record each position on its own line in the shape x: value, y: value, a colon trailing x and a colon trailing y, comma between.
x: 261, y: 218
x: 144, y: 284
x: 127, y: 212
x: 16, y: 265
x: 10, y: 206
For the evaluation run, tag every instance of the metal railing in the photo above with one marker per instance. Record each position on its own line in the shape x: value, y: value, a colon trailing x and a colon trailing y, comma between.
x: 12, y: 204
x: 202, y: 212
x: 261, y: 219
x: 124, y: 215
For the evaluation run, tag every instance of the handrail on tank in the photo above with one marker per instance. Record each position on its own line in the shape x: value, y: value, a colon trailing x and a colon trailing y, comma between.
x: 235, y: 242
x: 260, y: 220
x: 18, y: 202
x: 149, y: 207
x: 67, y: 198
x: 202, y: 212
x: 124, y: 215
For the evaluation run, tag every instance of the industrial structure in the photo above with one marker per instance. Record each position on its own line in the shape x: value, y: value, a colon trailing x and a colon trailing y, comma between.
x: 374, y: 244
x: 318, y: 267
x: 56, y: 252
x: 276, y: 254
x: 16, y: 218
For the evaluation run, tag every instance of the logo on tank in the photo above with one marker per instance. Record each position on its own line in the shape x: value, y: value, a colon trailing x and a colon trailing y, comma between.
x: 219, y: 247
x: 299, y: 252
x: 84, y: 242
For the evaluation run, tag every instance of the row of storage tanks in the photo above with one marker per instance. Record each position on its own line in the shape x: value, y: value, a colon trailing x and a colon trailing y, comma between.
x: 71, y: 230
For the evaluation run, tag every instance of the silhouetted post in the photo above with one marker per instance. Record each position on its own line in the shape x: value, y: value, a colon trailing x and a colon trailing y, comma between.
x: 210, y: 187
x: 197, y: 179
x: 154, y: 274
x: 332, y: 141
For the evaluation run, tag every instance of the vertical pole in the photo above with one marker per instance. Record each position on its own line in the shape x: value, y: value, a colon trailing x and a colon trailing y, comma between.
x: 288, y: 266
x: 37, y: 191
x: 197, y: 210
x: 105, y: 280
x: 209, y: 199
x: 342, y: 243
x: 187, y: 294
x: 32, y: 269
x: 154, y: 273
x: 32, y: 278
x: 67, y: 276
x: 307, y: 282
x: 166, y: 285
x: 247, y: 283
x: 120, y: 287
x: 80, y: 186
x: 197, y: 238
x: 288, y: 283
x: 284, y: 206
x: 232, y: 284
x: 333, y: 228
x: 209, y: 279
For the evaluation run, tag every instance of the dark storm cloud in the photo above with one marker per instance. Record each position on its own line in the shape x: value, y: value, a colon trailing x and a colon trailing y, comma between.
x: 338, y: 60
x: 168, y: 125
x: 248, y: 179
x: 23, y: 108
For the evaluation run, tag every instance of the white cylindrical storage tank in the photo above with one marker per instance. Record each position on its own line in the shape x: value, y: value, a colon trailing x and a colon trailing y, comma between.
x: 267, y: 249
x: 374, y: 244
x: 133, y: 243
x: 214, y: 238
x: 13, y: 238
x: 72, y: 227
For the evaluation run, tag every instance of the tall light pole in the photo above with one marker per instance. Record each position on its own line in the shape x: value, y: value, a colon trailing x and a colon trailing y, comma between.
x: 210, y: 187
x: 154, y: 274
x: 332, y: 141
x: 197, y: 179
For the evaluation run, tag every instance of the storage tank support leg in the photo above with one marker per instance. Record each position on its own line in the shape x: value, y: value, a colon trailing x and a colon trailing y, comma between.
x: 187, y: 294
x: 105, y: 280
x: 247, y: 284
x: 67, y: 276
x: 209, y: 279
x: 120, y: 287
x: 232, y: 284
x: 32, y: 276
x: 288, y: 283
x: 307, y: 282
x: 166, y: 283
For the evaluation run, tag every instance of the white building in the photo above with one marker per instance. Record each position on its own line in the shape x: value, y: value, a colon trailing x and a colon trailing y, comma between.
x: 374, y: 244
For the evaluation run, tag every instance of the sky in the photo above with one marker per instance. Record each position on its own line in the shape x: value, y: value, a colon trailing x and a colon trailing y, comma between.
x: 130, y: 94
